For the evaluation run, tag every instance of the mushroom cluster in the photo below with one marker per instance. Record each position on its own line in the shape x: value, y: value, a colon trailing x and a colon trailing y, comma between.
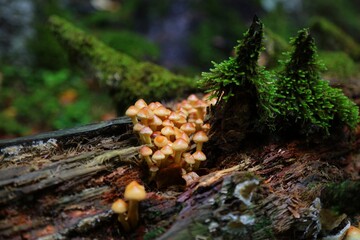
x: 171, y: 136
x: 128, y: 213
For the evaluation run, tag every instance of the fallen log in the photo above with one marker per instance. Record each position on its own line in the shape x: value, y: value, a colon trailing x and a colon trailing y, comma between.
x: 60, y: 185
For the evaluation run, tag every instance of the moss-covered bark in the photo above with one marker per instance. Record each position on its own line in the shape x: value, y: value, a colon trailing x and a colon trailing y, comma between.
x: 127, y: 78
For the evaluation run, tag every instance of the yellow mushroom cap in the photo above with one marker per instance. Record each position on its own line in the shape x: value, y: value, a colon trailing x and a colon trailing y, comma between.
x: 188, y: 128
x: 161, y: 141
x: 158, y: 156
x: 156, y: 121
x: 145, y: 113
x: 131, y: 111
x: 180, y: 121
x: 162, y: 112
x: 135, y: 191
x: 200, y: 104
x: 200, y: 136
x: 152, y: 106
x: 119, y: 206
x: 189, y: 159
x: 180, y: 145
x: 184, y: 136
x: 199, y: 156
x: 146, y: 131
x: 167, y: 123
x: 192, y: 99
x: 140, y: 103
x: 138, y: 126
x: 145, y: 151
x: 167, y: 131
x: 167, y: 150
x: 174, y: 116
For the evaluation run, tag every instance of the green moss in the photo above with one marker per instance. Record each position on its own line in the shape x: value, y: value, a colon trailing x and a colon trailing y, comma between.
x: 339, y: 65
x: 306, y: 101
x: 245, y: 91
x: 252, y: 99
x: 331, y: 37
x: 127, y: 78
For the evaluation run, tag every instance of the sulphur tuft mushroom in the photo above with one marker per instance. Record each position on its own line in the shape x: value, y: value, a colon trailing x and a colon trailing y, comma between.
x: 145, y: 133
x: 120, y: 207
x: 179, y: 146
x: 146, y: 152
x: 199, y: 157
x: 132, y: 112
x: 140, y: 103
x: 158, y: 157
x: 134, y: 193
x: 199, y: 138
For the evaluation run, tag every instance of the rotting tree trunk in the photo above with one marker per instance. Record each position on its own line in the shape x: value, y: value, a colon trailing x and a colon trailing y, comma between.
x: 63, y: 189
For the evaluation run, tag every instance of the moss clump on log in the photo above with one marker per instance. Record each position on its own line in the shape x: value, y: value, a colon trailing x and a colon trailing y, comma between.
x: 127, y: 78
x: 254, y: 100
x: 306, y: 101
x: 245, y: 91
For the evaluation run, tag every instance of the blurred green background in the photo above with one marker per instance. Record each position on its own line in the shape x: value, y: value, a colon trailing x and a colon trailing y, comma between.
x: 41, y: 89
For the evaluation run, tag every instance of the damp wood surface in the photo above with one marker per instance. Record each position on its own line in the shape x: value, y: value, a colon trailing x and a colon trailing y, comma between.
x: 60, y: 185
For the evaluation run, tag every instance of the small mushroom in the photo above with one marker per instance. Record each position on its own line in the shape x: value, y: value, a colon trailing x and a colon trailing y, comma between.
x: 155, y: 123
x: 168, y: 132
x: 120, y: 207
x: 181, y: 121
x: 132, y: 112
x: 200, y: 107
x: 146, y: 152
x: 158, y: 157
x: 153, y: 170
x: 167, y: 151
x: 140, y: 104
x: 192, y: 99
x: 198, y: 124
x: 188, y: 128
x: 161, y: 141
x: 145, y: 115
x: 137, y: 128
x: 199, y: 138
x: 145, y: 133
x: 199, y: 157
x: 134, y: 192
x: 179, y: 146
x: 190, y: 161
x: 168, y: 123
x: 162, y: 112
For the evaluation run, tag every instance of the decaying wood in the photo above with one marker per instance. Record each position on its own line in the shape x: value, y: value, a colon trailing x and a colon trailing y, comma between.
x: 53, y: 184
x: 61, y: 185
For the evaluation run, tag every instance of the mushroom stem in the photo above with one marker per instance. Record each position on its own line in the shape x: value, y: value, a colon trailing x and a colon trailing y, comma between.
x: 124, y: 223
x: 199, y: 146
x: 133, y: 213
x: 177, y: 157
x: 148, y: 161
